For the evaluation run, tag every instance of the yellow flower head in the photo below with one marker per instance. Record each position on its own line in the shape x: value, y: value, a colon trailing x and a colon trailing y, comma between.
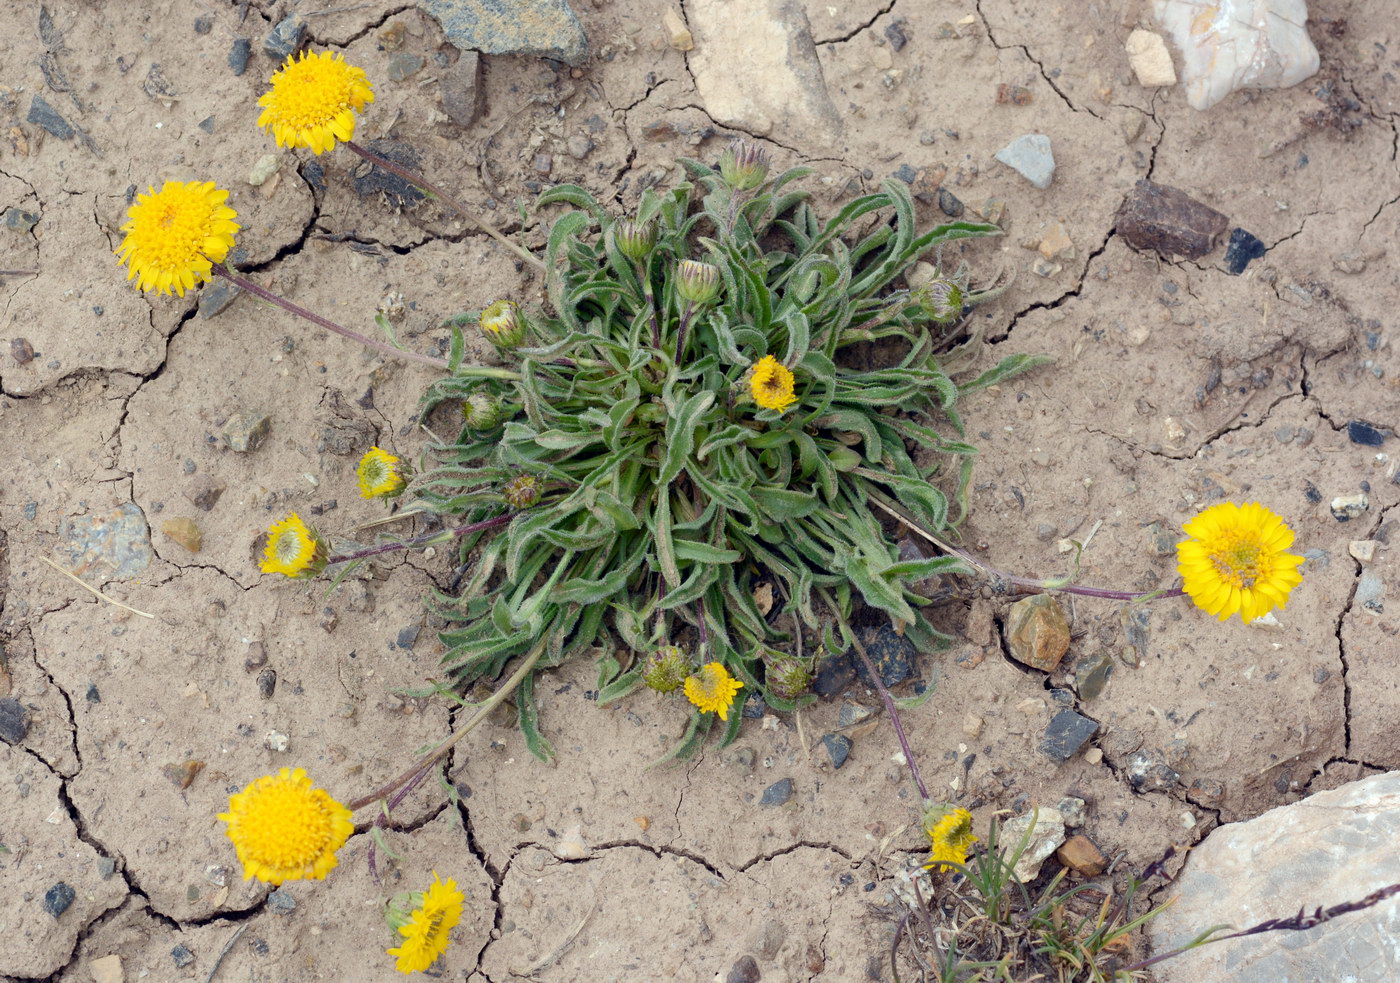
x: 425, y: 931
x: 712, y: 689
x: 950, y: 837
x: 285, y: 830
x: 313, y: 101
x: 1234, y: 562
x: 380, y: 474
x: 771, y: 383
x: 293, y: 549
x: 175, y: 235
x: 503, y: 324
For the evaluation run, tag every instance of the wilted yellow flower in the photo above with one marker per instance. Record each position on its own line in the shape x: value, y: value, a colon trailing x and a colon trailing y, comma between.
x: 285, y: 830
x: 771, y: 383
x: 313, y: 101
x: 425, y: 931
x: 522, y: 491
x: 380, y: 474
x: 712, y: 689
x: 175, y: 235
x: 667, y: 669
x: 1235, y: 561
x: 950, y: 837
x: 292, y: 549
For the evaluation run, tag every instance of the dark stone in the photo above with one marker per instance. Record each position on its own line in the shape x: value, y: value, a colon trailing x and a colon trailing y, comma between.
x: 777, y: 794
x: 238, y: 54
x: 895, y: 35
x: 281, y: 902
x: 1149, y: 772
x: 204, y: 492
x: 43, y: 114
x: 949, y: 204
x: 543, y: 164
x: 1093, y: 676
x: 106, y: 867
x: 658, y: 131
x: 543, y: 28
x: 408, y: 637
x: 285, y: 37
x: 215, y: 297
x: 207, y: 124
x: 1365, y: 434
x: 156, y: 85
x: 460, y: 88
x: 1155, y: 216
x: 1243, y: 249
x: 1206, y: 792
x: 21, y: 350
x: 31, y: 510
x: 14, y: 720
x: 754, y: 707
x: 58, y: 898
x: 182, y: 956
x: 377, y: 181
x: 315, y: 175
x: 834, y: 674
x: 892, y: 653
x: 267, y: 683
x: 404, y: 65
x: 203, y: 25
x: 906, y: 174
x: 1066, y: 734
x: 838, y: 746
x: 744, y: 970
x: 19, y: 220
x: 92, y: 695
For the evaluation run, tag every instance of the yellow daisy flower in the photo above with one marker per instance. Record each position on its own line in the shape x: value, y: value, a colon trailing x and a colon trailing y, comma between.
x: 380, y: 474
x: 950, y: 837
x: 712, y: 689
x: 285, y: 830
x: 293, y: 550
x: 175, y: 235
x: 1235, y: 561
x: 425, y: 931
x: 771, y: 383
x: 313, y: 101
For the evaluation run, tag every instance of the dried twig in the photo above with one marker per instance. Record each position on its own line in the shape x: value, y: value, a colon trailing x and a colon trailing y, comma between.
x: 110, y: 600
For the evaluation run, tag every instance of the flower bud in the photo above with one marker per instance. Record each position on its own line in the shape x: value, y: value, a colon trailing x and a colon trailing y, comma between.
x: 697, y: 282
x: 482, y: 411
x: 743, y: 165
x: 942, y: 300
x: 503, y: 324
x: 666, y: 669
x: 788, y: 677
x: 522, y: 491
x: 636, y: 240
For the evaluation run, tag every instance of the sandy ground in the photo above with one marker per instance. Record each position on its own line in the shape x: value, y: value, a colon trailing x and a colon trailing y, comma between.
x: 1175, y: 385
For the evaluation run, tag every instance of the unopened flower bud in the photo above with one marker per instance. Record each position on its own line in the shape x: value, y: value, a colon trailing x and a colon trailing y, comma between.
x: 942, y: 300
x: 697, y: 282
x: 788, y: 677
x: 666, y: 669
x: 636, y: 240
x: 482, y: 411
x: 743, y: 165
x: 522, y: 491
x: 503, y: 323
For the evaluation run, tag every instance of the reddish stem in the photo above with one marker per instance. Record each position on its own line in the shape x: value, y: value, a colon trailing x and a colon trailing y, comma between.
x: 491, y: 523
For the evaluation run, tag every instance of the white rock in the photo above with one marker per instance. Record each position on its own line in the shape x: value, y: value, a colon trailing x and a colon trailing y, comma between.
x: 1150, y: 59
x: 571, y: 845
x: 1363, y: 550
x: 1227, y: 45
x: 1045, y: 839
x: 107, y: 969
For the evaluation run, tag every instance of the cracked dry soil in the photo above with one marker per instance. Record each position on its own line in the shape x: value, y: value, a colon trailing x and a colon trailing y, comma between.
x: 1175, y: 385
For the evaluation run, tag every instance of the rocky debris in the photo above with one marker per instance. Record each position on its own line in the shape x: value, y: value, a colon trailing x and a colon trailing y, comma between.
x: 460, y: 88
x: 1332, y: 847
x: 181, y: 956
x: 678, y: 35
x: 285, y: 38
x: 263, y: 170
x: 115, y: 545
x: 42, y: 114
x: 1168, y: 220
x: 543, y: 28
x: 184, y: 532
x: 368, y: 179
x: 204, y: 492
x: 1092, y: 676
x: 1348, y: 507
x: 1066, y: 733
x: 217, y: 297
x: 245, y: 431
x: 838, y: 748
x: 1075, y: 811
x: 1037, y: 633
x: 1150, y: 60
x: 58, y: 898
x: 949, y: 204
x: 777, y: 794
x: 972, y: 726
x: 1359, y: 432
x: 1080, y: 855
x: 14, y: 720
x: 1030, y: 156
x: 1148, y: 771
x: 1242, y: 249
x: 403, y: 65
x: 19, y: 220
x: 1247, y: 44
x: 267, y: 683
x: 891, y: 653
x: 1362, y: 550
x: 21, y: 351
x: 1046, y: 835
x: 238, y: 54
x: 778, y: 86
x: 571, y: 845
x: 1056, y: 244
x: 282, y: 902
x: 107, y: 969
x: 744, y: 970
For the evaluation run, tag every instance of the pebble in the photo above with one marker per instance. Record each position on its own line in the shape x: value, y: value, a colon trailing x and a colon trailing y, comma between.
x: 1066, y: 733
x: 107, y: 969
x: 19, y: 220
x: 1150, y: 60
x: 14, y: 720
x: 1074, y: 811
x: 1168, y: 220
x: 571, y: 845
x: 408, y: 637
x: 1056, y: 243
x: 204, y: 492
x: 460, y: 89
x: 281, y: 902
x: 58, y: 898
x: 1348, y: 507
x: 185, y: 532
x: 767, y: 941
x: 543, y: 164
x: 838, y: 747
x: 777, y: 794
x: 1093, y: 755
x: 1363, y: 550
x: 1092, y: 677
x: 1080, y: 855
x: 44, y: 115
x: 949, y: 204
x: 284, y: 38
x: 21, y: 350
x: 1030, y: 156
x: 267, y: 683
x: 540, y: 28
x: 1048, y: 833
x: 182, y: 956
x: 1045, y: 269
x: 115, y: 543
x: 579, y: 146
x: 266, y: 166
x: 1243, y: 248
x: 744, y: 970
x: 217, y: 297
x: 972, y: 726
x: 275, y: 741
x: 890, y: 652
x: 245, y: 431
x: 93, y: 695
x: 1147, y: 772
x: 678, y: 36
x: 1359, y: 432
x: 894, y: 34
x: 238, y: 54
x: 404, y: 65
x: 207, y: 124
x: 1037, y: 633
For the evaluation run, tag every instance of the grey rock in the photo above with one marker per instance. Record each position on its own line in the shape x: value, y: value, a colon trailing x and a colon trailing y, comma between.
x: 544, y: 28
x: 768, y: 939
x: 21, y: 350
x: 949, y: 204
x: 182, y: 956
x: 216, y: 297
x: 1066, y: 733
x: 281, y: 902
x: 1242, y: 248
x: 1030, y: 156
x: 58, y: 898
x: 408, y: 637
x: 245, y: 431
x: 115, y: 545
x: 41, y: 113
x: 1074, y: 811
x: 851, y: 714
x: 106, y: 867
x: 31, y: 510
x: 896, y: 34
x: 777, y: 794
x: 368, y: 179
x: 156, y: 85
x: 1046, y: 835
x: 19, y: 220
x: 14, y: 720
x: 93, y: 694
x: 404, y: 65
x: 207, y: 124
x: 1358, y: 431
x: 744, y: 970
x: 754, y: 706
x: 1148, y: 771
x: 267, y: 683
x: 1332, y: 847
x: 460, y: 88
x: 284, y: 38
x: 892, y: 654
x: 203, y: 25
x: 1093, y: 676
x: 238, y: 54
x: 579, y: 146
x: 838, y: 747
